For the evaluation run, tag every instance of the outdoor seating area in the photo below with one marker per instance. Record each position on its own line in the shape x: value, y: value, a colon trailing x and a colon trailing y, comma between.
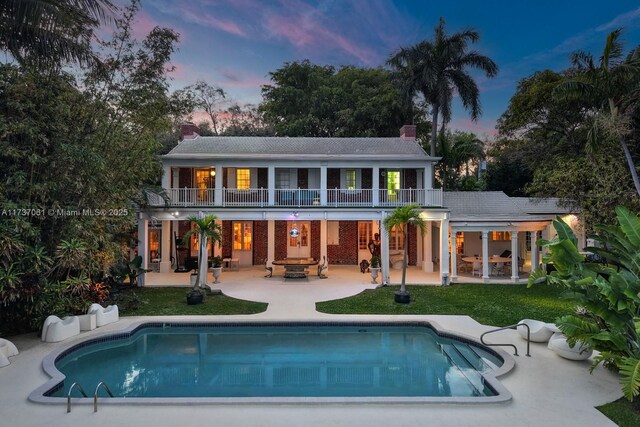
x: 542, y: 332
x: 56, y: 329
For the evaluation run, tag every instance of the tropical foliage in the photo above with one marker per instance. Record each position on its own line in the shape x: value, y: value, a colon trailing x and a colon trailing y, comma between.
x: 401, y: 218
x: 460, y: 151
x: 438, y: 67
x: 207, y: 230
x: 608, y: 295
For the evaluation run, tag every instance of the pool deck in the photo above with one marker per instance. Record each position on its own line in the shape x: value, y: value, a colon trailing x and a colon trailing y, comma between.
x: 547, y: 390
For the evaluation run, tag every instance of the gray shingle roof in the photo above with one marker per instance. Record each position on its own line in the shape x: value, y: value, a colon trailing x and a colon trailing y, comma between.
x: 261, y: 147
x: 495, y: 205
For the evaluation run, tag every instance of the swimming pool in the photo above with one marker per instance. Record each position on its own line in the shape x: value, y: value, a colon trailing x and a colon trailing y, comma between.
x: 263, y: 362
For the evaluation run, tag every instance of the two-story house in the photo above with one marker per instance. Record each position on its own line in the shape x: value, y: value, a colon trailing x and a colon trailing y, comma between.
x: 324, y: 198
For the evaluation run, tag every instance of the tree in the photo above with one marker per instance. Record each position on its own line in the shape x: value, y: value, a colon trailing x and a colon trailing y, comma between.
x: 207, y: 230
x: 614, y: 84
x: 457, y: 150
x: 306, y: 99
x: 47, y: 32
x: 245, y: 120
x: 608, y: 295
x: 435, y: 68
x: 208, y: 97
x: 401, y: 218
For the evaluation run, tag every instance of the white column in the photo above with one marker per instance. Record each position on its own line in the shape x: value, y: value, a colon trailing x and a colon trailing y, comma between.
x: 534, y: 251
x: 323, y: 241
x: 444, y: 246
x: 375, y: 186
x: 166, y: 177
x: 514, y: 256
x: 143, y: 247
x: 323, y: 185
x: 427, y: 251
x: 454, y: 260
x: 218, y: 185
x: 165, y: 249
x: 271, y: 241
x: 384, y: 251
x: 271, y: 185
x: 428, y: 177
x: 485, y: 256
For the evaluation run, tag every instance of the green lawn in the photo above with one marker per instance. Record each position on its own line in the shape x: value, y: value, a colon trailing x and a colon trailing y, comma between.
x: 172, y: 301
x: 623, y: 412
x: 489, y: 304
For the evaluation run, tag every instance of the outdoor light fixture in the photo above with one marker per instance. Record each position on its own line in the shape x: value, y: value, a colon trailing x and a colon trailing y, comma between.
x: 213, y: 173
x: 296, y: 214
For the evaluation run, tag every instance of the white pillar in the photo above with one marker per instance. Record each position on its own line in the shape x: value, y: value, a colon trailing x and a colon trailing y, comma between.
x: 271, y: 241
x: 535, y: 264
x: 384, y: 251
x: 427, y: 251
x: 143, y: 247
x: 485, y: 256
x: 323, y: 185
x: 323, y: 242
x: 165, y: 248
x: 271, y: 185
x: 166, y: 177
x: 428, y: 177
x: 444, y: 246
x: 454, y: 260
x: 218, y: 185
x: 375, y: 186
x: 514, y: 256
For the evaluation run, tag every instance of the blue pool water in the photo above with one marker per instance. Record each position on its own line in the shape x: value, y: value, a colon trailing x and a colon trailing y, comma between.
x: 275, y: 361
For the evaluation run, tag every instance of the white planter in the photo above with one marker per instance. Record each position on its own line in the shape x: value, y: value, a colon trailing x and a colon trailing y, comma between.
x: 374, y: 275
x: 216, y: 274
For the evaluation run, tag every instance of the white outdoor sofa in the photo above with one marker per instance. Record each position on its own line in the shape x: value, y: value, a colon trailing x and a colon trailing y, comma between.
x: 104, y: 315
x: 7, y: 349
x: 540, y: 331
x: 56, y: 329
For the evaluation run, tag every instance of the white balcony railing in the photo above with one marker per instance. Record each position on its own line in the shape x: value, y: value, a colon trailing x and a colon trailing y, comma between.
x: 259, y: 197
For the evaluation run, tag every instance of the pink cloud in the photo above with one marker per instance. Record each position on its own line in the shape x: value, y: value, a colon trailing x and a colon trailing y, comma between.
x: 480, y: 127
x: 198, y: 16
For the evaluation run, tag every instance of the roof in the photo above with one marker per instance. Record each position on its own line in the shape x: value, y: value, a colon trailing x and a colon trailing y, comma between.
x: 485, y: 206
x: 307, y: 147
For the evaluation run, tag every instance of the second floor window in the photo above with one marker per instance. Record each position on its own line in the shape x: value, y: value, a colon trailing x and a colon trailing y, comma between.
x: 243, y: 179
x: 350, y: 179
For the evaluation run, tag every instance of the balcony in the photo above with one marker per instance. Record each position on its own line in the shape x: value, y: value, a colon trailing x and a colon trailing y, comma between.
x: 333, y: 198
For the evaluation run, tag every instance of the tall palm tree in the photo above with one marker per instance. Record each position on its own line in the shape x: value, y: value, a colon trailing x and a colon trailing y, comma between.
x: 51, y: 31
x: 457, y: 150
x: 206, y: 229
x: 613, y: 84
x: 435, y: 68
x: 401, y: 218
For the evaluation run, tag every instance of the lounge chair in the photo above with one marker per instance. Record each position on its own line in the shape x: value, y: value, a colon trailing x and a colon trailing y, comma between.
x: 56, y: 329
x: 104, y: 315
x: 7, y: 349
x: 559, y: 345
x: 540, y: 332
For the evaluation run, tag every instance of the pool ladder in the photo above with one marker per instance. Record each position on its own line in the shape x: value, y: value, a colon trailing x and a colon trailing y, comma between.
x: 515, y: 349
x: 95, y: 394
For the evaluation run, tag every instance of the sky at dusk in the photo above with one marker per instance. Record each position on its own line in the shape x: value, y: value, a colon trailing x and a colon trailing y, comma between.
x: 236, y: 43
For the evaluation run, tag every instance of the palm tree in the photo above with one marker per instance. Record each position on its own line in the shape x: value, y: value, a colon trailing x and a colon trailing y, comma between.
x: 206, y: 229
x: 457, y: 150
x: 434, y: 68
x: 613, y: 83
x: 401, y: 218
x: 48, y: 31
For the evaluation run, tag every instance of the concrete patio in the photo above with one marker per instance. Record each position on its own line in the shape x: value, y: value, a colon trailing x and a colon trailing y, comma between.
x: 547, y: 390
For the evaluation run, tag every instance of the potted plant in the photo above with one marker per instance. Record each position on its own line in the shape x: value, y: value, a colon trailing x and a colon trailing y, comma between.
x: 375, y: 269
x: 216, y: 267
x: 204, y: 228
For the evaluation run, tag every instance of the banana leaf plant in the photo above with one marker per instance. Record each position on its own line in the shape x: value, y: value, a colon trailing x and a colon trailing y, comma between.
x: 608, y: 294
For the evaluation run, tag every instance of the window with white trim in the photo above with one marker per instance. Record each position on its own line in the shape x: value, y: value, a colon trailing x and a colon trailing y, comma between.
x: 243, y: 179
x: 333, y: 232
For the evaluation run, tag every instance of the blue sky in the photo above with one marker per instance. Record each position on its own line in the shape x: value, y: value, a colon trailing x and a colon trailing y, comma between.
x: 236, y: 43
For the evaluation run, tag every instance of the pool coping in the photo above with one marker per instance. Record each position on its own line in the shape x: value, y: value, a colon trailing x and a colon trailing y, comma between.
x: 56, y: 377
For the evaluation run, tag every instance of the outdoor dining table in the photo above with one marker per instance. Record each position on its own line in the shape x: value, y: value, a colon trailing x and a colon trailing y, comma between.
x: 295, y: 268
x: 491, y: 259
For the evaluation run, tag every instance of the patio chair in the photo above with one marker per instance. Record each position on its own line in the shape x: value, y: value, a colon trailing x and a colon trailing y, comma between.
x: 559, y: 345
x: 7, y: 349
x: 268, y: 269
x: 56, y: 329
x: 462, y: 266
x: 476, y: 268
x: 498, y: 269
x: 104, y: 315
x: 540, y: 331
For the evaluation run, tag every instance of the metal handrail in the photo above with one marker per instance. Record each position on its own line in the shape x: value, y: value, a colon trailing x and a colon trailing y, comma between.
x: 95, y: 395
x: 69, y: 395
x: 509, y: 345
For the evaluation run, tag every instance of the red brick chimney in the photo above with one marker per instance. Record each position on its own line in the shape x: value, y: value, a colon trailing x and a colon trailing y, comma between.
x: 408, y: 132
x: 189, y: 130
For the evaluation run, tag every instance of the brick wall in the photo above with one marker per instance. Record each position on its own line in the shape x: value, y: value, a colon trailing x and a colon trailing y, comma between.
x: 410, y: 178
x: 260, y: 244
x: 227, y: 239
x: 263, y: 178
x: 282, y: 239
x: 367, y: 178
x: 413, y: 245
x: 315, y: 240
x: 333, y: 178
x: 303, y: 178
x: 347, y: 251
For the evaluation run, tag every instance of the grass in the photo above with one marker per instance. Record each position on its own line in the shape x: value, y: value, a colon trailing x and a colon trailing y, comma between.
x: 172, y: 301
x: 623, y: 412
x: 489, y: 304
